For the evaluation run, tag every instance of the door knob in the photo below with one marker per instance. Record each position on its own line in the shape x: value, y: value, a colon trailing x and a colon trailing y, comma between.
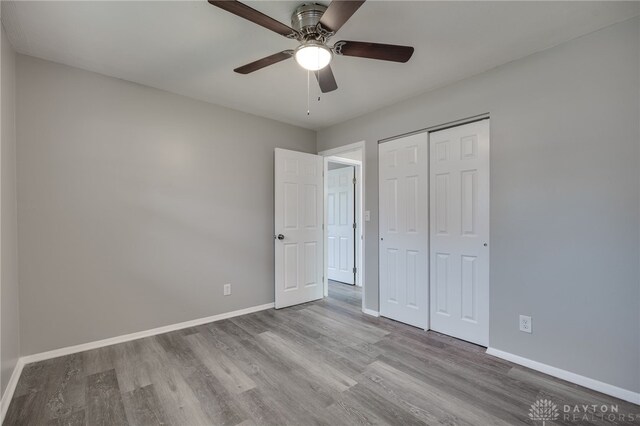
x: 280, y: 237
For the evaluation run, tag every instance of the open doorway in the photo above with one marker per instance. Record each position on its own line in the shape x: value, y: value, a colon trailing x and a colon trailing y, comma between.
x: 341, y: 222
x: 344, y: 230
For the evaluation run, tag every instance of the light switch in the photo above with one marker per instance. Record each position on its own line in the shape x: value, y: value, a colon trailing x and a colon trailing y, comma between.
x: 367, y: 216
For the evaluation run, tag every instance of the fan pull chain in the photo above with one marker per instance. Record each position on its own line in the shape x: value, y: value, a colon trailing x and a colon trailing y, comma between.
x: 319, y: 75
x: 308, y: 92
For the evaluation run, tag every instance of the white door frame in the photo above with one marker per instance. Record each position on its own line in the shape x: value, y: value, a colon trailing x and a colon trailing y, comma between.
x: 330, y: 155
x: 355, y: 247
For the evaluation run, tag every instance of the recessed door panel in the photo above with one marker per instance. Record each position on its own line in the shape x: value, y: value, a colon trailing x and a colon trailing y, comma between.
x: 310, y: 264
x: 441, y: 151
x: 413, y: 281
x: 311, y: 205
x: 469, y: 287
x: 469, y: 197
x: 413, y: 154
x: 469, y: 147
x: 290, y: 210
x: 290, y: 266
x: 391, y: 202
x: 440, y: 201
x: 390, y: 158
x: 343, y: 200
x: 344, y: 254
x: 392, y: 275
x: 331, y: 208
x: 291, y: 166
x: 441, y: 283
x: 332, y: 261
x: 413, y: 203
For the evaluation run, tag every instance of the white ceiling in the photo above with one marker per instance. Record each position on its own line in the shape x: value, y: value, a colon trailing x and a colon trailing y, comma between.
x: 191, y: 48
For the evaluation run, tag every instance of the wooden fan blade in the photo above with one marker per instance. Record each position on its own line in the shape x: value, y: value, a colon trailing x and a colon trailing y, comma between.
x: 339, y: 12
x: 264, y: 62
x: 244, y: 11
x: 384, y: 52
x: 326, y: 80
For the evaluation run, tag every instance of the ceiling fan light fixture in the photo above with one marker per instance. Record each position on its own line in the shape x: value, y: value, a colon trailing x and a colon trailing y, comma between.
x: 313, y: 56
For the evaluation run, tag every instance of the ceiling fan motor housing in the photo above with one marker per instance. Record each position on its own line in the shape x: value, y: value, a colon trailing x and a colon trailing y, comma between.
x: 305, y: 20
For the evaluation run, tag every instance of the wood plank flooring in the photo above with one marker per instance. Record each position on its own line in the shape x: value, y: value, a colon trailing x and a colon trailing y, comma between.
x: 321, y: 363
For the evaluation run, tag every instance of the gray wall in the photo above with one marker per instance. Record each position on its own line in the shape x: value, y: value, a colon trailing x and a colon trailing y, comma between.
x: 565, y: 188
x: 9, y: 314
x: 136, y: 206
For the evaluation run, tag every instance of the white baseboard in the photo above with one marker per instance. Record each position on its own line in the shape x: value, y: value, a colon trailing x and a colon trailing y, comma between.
x: 596, y: 385
x: 11, y: 388
x: 27, y: 359
x: 371, y: 312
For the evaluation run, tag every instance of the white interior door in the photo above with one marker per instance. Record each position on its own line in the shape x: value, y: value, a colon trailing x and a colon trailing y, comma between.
x: 403, y: 171
x: 459, y: 204
x: 298, y: 227
x: 341, y: 224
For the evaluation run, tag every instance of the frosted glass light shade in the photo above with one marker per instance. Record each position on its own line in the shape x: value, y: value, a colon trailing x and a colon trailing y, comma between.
x: 313, y: 57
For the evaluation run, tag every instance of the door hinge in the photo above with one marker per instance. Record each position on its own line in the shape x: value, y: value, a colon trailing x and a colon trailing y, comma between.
x: 354, y: 181
x: 355, y: 270
x: 354, y: 225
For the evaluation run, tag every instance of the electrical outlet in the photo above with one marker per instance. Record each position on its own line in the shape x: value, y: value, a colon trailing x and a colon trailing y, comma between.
x: 525, y: 323
x: 227, y: 289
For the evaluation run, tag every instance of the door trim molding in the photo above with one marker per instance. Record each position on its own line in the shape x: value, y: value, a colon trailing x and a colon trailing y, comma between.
x: 360, y: 208
x: 587, y: 382
x: 344, y: 148
x: 357, y: 279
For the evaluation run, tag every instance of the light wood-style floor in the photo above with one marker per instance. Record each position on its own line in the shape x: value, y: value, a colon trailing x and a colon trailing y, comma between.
x: 320, y: 363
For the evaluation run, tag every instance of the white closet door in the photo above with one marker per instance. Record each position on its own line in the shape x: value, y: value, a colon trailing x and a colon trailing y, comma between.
x: 459, y: 211
x: 299, y: 251
x: 340, y: 224
x: 403, y: 170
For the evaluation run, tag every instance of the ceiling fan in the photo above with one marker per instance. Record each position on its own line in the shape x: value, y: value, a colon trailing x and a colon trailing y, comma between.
x: 313, y: 25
